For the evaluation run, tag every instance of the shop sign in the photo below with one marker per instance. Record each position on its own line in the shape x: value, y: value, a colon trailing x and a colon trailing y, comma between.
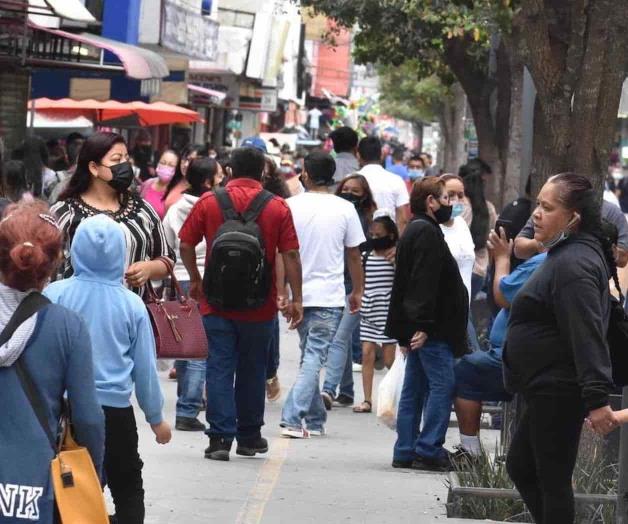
x: 188, y: 32
x: 257, y: 99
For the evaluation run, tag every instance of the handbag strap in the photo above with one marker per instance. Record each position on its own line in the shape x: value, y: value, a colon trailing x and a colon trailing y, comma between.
x: 27, y: 308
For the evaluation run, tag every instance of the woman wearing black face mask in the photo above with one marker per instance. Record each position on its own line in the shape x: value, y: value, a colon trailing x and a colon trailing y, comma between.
x: 356, y: 190
x: 379, y: 273
x: 100, y: 185
x: 346, y: 344
x: 428, y: 316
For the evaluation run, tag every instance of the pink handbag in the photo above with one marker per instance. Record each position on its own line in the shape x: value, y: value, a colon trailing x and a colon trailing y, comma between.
x: 177, y: 323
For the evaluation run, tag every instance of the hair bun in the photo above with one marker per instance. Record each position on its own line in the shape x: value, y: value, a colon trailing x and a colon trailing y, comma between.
x: 27, y: 256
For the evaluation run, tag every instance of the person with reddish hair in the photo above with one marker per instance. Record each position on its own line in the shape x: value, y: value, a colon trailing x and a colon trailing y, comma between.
x: 51, y: 350
x: 428, y: 315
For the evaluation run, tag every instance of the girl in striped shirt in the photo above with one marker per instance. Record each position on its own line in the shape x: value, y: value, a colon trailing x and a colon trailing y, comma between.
x: 379, y: 274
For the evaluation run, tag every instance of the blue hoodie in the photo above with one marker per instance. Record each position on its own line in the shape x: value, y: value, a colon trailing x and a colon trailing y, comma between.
x: 118, y: 323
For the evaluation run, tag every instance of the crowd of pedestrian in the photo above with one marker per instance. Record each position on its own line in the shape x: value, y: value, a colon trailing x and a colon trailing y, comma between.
x: 370, y: 256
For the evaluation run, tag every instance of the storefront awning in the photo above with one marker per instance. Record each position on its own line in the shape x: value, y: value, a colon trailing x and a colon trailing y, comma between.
x: 138, y: 63
x: 103, y: 112
x: 69, y: 9
x: 219, y: 96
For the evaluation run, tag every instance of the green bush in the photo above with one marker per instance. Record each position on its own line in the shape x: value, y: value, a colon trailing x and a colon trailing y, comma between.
x: 593, y: 474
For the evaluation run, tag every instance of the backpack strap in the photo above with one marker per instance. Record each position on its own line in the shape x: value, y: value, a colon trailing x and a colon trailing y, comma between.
x: 226, y: 204
x: 27, y: 308
x: 257, y: 205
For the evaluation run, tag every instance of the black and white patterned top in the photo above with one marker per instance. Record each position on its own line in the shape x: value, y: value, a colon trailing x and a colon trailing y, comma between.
x: 143, y: 232
x: 379, y: 276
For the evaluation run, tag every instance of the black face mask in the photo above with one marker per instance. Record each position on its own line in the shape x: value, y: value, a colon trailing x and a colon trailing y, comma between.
x: 443, y: 214
x: 122, y: 176
x: 354, y: 199
x: 380, y: 244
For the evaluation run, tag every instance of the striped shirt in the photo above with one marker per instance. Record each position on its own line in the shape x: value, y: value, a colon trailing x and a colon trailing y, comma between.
x: 379, y: 277
x: 143, y: 232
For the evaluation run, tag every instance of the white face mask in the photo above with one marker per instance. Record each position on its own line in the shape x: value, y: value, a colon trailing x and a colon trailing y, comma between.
x: 562, y: 236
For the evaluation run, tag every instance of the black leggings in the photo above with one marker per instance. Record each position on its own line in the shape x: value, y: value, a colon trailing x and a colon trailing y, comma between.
x: 542, y: 456
x: 123, y: 465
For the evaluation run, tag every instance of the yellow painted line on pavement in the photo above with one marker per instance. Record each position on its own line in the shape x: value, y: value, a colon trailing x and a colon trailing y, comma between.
x: 252, y: 510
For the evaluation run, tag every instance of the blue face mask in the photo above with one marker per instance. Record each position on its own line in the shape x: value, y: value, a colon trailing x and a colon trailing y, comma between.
x: 458, y: 209
x: 416, y: 174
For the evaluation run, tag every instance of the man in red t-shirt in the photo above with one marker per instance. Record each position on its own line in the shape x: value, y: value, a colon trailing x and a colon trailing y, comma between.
x: 239, y: 340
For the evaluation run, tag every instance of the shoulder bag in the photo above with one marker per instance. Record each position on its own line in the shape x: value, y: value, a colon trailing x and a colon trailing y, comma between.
x: 177, y: 322
x: 77, y: 489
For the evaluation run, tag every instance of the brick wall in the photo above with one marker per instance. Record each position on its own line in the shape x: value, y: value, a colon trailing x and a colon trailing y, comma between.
x: 13, y: 106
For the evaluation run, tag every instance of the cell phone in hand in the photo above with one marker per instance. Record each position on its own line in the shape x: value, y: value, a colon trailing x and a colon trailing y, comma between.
x: 507, y: 225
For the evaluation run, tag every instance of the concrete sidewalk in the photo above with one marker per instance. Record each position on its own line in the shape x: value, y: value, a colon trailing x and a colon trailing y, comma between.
x: 343, y: 477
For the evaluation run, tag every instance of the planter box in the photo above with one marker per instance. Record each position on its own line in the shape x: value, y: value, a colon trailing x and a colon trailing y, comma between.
x: 457, y: 493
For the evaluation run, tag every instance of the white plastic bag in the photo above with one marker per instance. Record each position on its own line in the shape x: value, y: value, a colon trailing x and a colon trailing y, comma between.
x: 389, y: 391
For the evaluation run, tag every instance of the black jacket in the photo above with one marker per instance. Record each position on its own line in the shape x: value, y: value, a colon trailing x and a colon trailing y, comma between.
x: 556, y: 340
x: 428, y: 293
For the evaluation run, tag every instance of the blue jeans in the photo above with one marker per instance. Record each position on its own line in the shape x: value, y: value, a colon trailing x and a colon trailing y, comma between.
x: 339, y: 369
x: 428, y: 391
x: 190, y: 379
x: 236, y: 376
x: 304, y: 400
x: 190, y: 382
x: 479, y: 376
x: 356, y: 346
x: 272, y: 362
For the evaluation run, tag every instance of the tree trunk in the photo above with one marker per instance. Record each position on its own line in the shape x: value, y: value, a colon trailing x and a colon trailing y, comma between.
x: 458, y: 150
x: 578, y: 59
x: 512, y: 176
x: 479, y: 86
x: 452, y: 120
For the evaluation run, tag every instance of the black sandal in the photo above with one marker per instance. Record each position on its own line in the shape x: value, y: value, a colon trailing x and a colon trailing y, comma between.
x: 361, y: 409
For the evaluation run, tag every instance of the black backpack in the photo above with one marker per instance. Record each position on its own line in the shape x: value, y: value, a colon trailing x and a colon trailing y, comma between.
x: 237, y: 275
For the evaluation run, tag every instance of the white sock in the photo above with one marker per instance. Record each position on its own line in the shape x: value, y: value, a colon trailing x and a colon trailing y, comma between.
x: 471, y: 444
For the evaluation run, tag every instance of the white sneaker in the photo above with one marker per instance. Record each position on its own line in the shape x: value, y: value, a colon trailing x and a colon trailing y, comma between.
x: 317, y: 432
x: 357, y: 368
x: 295, y: 433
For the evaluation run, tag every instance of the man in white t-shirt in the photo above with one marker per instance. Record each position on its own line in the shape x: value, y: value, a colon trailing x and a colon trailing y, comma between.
x: 328, y: 229
x: 389, y: 190
x: 314, y: 115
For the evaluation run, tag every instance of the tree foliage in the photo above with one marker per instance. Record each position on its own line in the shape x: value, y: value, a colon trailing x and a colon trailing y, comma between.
x: 405, y: 96
x: 393, y: 31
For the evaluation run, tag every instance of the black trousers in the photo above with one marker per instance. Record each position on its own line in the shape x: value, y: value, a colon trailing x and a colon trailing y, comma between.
x: 542, y: 456
x: 123, y: 465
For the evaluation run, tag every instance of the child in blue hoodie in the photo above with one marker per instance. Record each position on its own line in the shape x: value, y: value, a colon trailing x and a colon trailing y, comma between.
x: 124, y: 355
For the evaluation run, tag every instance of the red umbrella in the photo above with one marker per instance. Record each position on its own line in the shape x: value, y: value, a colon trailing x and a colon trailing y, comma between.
x: 157, y: 113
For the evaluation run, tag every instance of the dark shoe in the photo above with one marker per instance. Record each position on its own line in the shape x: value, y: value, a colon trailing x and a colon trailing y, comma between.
x: 113, y: 519
x: 343, y: 401
x: 328, y: 400
x: 249, y: 448
x: 218, y: 449
x: 438, y: 465
x: 402, y: 464
x: 188, y: 424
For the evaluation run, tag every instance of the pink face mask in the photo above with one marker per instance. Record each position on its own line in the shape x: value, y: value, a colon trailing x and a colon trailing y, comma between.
x: 165, y: 173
